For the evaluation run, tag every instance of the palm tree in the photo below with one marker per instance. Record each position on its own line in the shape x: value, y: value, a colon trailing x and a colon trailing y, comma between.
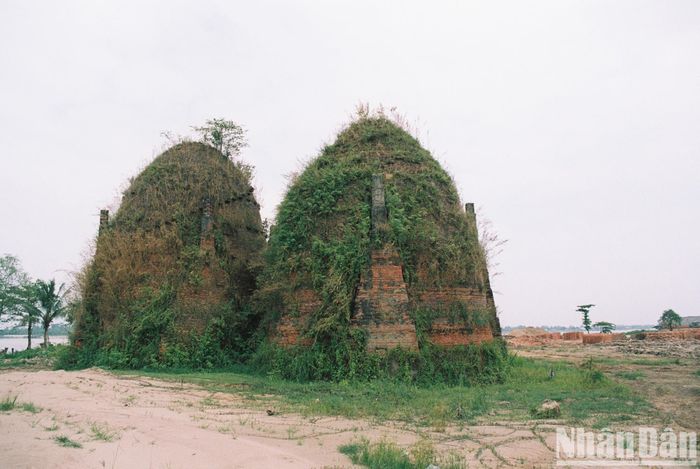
x: 42, y: 302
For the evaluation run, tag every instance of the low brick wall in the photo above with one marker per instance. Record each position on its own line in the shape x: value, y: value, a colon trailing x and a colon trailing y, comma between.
x: 677, y: 334
x: 597, y: 338
x: 578, y: 336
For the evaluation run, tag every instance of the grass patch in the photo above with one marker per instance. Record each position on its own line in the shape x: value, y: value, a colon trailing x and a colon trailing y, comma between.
x: 585, y: 396
x: 697, y: 373
x: 640, y: 361
x: 67, y: 442
x: 102, y: 432
x: 630, y: 375
x: 8, y: 404
x: 36, y: 358
x: 30, y: 407
x: 387, y: 455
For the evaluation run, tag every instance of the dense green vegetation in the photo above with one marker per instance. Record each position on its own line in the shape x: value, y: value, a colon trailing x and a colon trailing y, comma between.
x: 462, y: 365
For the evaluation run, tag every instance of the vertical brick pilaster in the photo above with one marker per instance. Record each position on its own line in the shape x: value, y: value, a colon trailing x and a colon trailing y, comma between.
x: 206, y: 238
x: 104, y: 221
x: 381, y: 304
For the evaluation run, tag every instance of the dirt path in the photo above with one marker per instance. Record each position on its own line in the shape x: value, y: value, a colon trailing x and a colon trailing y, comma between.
x: 126, y: 422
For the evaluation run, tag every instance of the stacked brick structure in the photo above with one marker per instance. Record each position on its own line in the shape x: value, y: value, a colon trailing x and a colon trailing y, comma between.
x: 187, y: 239
x: 381, y: 303
x: 373, y: 237
x: 104, y: 221
x: 383, y: 300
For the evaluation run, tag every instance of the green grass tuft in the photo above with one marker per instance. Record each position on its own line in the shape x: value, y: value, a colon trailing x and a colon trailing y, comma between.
x: 630, y: 375
x: 102, y: 432
x: 9, y: 403
x: 387, y: 455
x: 67, y: 442
x: 30, y: 407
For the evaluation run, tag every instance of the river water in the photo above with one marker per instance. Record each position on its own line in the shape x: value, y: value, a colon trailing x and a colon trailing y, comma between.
x: 19, y: 342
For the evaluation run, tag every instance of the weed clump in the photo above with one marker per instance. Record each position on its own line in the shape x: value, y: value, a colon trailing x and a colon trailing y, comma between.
x: 8, y: 403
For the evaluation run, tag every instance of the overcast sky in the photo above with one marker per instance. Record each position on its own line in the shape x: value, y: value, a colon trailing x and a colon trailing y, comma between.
x: 574, y: 125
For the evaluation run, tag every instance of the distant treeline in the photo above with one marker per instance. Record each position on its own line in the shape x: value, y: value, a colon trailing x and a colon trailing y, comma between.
x: 624, y: 327
x: 54, y: 330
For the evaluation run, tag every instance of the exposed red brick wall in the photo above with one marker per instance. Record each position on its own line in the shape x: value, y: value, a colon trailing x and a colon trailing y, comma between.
x: 572, y: 336
x: 443, y: 298
x: 676, y: 334
x: 381, y: 303
x: 289, y: 329
x: 597, y: 338
x: 383, y: 300
x: 289, y: 333
x: 450, y: 334
x: 385, y: 336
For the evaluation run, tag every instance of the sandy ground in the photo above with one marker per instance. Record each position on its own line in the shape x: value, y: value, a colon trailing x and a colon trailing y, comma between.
x: 129, y: 422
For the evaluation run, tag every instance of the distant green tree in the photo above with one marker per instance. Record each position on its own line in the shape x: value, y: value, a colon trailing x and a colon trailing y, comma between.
x: 24, y: 309
x: 224, y: 135
x: 670, y: 319
x: 584, y: 310
x: 12, y: 278
x: 605, y: 327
